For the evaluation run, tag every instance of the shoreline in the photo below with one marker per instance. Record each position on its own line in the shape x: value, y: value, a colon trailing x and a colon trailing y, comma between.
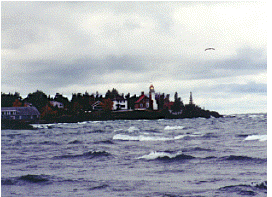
x: 116, y: 115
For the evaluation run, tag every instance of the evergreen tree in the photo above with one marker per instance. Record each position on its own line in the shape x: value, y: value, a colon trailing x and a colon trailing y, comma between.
x: 112, y: 94
x: 7, y: 100
x: 37, y: 99
x: 178, y: 104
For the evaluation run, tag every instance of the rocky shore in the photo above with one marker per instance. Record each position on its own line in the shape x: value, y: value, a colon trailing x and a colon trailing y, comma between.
x: 189, y: 112
x: 133, y: 115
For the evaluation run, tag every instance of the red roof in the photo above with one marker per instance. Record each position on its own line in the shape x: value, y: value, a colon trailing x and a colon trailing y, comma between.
x: 141, y: 98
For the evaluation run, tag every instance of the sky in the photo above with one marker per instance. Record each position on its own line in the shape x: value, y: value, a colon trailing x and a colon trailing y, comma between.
x: 74, y: 47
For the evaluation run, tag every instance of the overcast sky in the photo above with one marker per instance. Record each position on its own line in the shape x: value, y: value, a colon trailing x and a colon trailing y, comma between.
x: 73, y: 47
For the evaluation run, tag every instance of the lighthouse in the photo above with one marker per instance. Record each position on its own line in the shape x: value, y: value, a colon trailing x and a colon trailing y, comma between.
x: 152, y: 101
x: 191, y: 99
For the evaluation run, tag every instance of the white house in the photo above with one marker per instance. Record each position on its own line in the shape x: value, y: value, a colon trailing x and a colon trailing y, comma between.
x: 57, y: 104
x: 119, y: 103
x: 96, y: 106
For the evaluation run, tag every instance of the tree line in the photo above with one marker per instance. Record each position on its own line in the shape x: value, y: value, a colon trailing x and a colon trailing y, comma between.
x: 79, y: 103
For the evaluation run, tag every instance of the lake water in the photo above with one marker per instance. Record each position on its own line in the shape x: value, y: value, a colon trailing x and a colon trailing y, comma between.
x: 184, y: 157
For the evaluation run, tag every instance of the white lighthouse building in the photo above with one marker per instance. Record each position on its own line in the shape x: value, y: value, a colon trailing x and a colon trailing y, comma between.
x: 152, y: 101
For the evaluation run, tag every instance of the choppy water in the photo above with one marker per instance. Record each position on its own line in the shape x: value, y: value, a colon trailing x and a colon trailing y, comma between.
x: 186, y: 157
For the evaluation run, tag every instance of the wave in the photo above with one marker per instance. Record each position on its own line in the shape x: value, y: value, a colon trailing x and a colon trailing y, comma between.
x: 45, y: 179
x: 125, y: 137
x: 261, y: 138
x: 148, y: 137
x: 175, y: 156
x: 245, y: 189
x: 43, y: 126
x: 174, y: 127
x: 104, y: 142
x: 197, y: 149
x: 97, y: 131
x: 99, y: 187
x: 89, y: 155
x: 154, y: 155
x: 75, y: 142
x: 178, y: 137
x: 84, y: 122
x: 46, y: 142
x: 135, y: 138
x: 243, y: 158
x: 262, y: 185
x: 144, y: 138
x: 132, y: 129
x: 26, y: 179
x: 256, y: 115
x: 242, y: 135
x: 35, y: 178
x: 49, y: 143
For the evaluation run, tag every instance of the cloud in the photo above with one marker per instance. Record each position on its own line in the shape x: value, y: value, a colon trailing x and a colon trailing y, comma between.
x: 79, y: 46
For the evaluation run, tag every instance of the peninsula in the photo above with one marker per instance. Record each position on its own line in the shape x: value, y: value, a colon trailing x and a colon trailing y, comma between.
x: 37, y: 107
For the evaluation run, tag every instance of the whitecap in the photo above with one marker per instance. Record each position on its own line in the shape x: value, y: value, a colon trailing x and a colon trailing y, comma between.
x: 132, y: 129
x: 155, y: 155
x: 173, y: 127
x: 255, y: 115
x: 179, y: 137
x: 118, y: 130
x: 39, y: 126
x: 42, y: 126
x: 82, y: 122
x: 125, y: 137
x: 257, y: 137
x: 154, y: 138
x: 141, y: 138
x: 196, y: 134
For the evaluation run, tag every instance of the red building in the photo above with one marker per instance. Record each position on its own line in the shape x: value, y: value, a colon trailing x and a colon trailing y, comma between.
x: 142, y: 103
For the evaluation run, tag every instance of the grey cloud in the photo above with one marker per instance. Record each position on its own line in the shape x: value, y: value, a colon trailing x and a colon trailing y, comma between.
x: 246, y: 59
x: 234, y: 88
x: 80, y: 71
x: 251, y: 87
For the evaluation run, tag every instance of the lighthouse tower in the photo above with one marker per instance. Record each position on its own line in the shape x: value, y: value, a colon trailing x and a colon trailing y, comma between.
x: 191, y: 99
x: 152, y: 101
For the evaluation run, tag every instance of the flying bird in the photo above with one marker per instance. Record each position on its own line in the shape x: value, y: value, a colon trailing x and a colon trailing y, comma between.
x: 209, y: 49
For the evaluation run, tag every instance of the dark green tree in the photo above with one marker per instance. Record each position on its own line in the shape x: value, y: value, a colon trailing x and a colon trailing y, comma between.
x: 112, y: 94
x: 38, y: 99
x: 7, y: 100
x: 178, y: 104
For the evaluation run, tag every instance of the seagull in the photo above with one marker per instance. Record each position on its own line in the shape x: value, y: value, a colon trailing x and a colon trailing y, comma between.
x: 209, y: 49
